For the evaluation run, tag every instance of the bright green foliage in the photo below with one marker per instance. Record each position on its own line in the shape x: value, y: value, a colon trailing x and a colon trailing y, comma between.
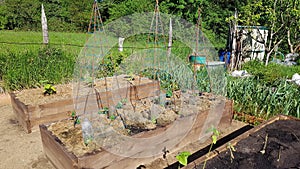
x: 257, y: 98
x: 112, y: 117
x: 183, y: 157
x: 129, y: 7
x: 267, y: 93
x: 27, y: 69
x: 271, y: 73
x: 215, y: 135
x: 280, y: 17
x: 49, y: 89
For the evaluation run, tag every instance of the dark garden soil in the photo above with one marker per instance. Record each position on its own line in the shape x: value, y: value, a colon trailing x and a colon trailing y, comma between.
x: 276, y: 145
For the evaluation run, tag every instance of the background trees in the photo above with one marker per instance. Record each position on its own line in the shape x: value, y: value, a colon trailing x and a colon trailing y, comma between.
x: 281, y: 17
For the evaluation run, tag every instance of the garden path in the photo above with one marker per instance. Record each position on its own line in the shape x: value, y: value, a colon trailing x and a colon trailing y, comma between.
x: 19, y: 150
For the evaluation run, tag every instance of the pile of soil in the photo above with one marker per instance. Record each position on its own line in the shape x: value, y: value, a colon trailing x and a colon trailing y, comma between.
x: 277, y: 145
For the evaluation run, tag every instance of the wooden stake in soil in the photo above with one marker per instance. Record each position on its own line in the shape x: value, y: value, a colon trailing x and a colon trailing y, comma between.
x: 44, y: 27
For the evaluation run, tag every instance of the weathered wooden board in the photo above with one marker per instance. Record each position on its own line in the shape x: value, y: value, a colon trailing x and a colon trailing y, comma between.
x: 30, y: 116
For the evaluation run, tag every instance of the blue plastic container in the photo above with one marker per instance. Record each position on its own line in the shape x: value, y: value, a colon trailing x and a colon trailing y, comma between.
x: 222, y: 57
x: 197, y: 59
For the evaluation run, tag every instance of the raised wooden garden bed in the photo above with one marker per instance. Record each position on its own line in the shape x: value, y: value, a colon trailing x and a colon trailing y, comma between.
x: 61, y: 157
x: 273, y: 144
x: 32, y: 108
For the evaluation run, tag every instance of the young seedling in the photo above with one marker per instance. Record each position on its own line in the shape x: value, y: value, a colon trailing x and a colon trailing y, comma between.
x: 183, y: 158
x: 105, y: 110
x: 169, y: 94
x: 49, y: 89
x: 75, y: 118
x: 153, y: 120
x: 263, y: 151
x: 121, y: 104
x: 214, y: 138
x: 231, y: 149
x: 112, y: 117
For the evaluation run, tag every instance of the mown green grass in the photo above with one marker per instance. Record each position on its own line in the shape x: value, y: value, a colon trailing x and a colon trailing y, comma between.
x: 11, y: 41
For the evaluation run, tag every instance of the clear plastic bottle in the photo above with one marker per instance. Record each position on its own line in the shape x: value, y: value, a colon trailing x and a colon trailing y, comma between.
x: 87, y: 131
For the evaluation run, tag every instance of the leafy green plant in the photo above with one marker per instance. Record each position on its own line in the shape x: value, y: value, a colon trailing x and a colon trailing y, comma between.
x: 271, y: 73
x: 183, y: 158
x: 75, y: 118
x: 49, y: 89
x: 254, y: 97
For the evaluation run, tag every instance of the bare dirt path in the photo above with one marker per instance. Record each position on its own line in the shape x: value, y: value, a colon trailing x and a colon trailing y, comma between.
x: 19, y: 150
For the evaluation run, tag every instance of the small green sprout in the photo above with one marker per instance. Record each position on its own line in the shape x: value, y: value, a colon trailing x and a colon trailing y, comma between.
x: 153, y: 120
x: 124, y: 101
x: 105, y: 110
x: 75, y: 118
x: 169, y: 94
x: 215, y: 135
x: 112, y: 117
x: 231, y: 149
x: 73, y: 115
x: 183, y: 157
x: 76, y: 121
x: 88, y: 140
x: 49, y: 89
x: 214, y: 138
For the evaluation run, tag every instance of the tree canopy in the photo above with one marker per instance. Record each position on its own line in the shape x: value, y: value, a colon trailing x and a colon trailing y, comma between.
x: 281, y: 17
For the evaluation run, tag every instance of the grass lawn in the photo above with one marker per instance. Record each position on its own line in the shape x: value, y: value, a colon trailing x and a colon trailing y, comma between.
x: 12, y: 41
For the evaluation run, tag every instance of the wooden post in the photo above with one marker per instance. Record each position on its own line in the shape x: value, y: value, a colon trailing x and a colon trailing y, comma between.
x: 170, y: 39
x: 44, y: 27
x: 234, y: 43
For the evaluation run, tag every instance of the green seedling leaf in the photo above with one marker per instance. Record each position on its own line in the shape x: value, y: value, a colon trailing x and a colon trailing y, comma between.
x: 76, y: 121
x: 49, y: 89
x: 153, y: 120
x: 119, y: 105
x: 216, y: 132
x: 112, y: 117
x: 182, y: 157
x: 53, y: 89
x: 105, y: 110
x: 214, y: 139
x: 123, y: 101
x: 73, y: 115
x: 169, y: 94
